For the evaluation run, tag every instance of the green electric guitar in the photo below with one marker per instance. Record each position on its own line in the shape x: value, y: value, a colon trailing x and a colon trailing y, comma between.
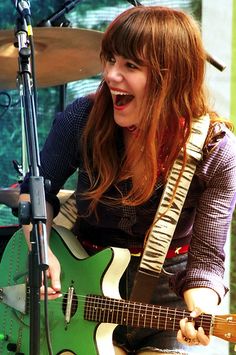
x: 83, y: 319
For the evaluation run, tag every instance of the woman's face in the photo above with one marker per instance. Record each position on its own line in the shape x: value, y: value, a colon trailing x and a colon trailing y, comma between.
x: 127, y: 82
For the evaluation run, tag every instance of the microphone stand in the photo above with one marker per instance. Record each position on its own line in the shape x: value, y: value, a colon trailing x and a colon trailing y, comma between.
x: 35, y: 211
x: 53, y: 20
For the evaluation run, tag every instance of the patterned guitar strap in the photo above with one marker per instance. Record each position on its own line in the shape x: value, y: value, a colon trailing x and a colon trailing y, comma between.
x: 166, y: 218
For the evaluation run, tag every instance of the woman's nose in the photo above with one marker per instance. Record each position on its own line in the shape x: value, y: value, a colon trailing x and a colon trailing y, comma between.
x: 113, y: 73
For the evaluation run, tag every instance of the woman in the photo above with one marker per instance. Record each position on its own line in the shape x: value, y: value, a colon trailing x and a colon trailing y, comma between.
x: 124, y: 140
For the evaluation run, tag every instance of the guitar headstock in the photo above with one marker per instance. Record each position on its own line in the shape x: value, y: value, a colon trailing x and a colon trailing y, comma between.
x: 224, y: 327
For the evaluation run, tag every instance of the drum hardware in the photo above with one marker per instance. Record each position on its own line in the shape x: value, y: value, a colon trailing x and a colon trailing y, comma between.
x: 58, y: 18
x: 62, y: 55
x: 134, y: 2
x: 10, y: 196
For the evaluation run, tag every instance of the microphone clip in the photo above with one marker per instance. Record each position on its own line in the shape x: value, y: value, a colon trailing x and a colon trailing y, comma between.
x: 23, y: 7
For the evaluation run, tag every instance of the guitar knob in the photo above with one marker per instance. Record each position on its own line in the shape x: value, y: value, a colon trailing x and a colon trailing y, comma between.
x: 12, y: 347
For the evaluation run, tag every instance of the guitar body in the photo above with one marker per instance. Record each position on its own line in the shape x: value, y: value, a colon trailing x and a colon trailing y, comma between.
x: 98, y: 274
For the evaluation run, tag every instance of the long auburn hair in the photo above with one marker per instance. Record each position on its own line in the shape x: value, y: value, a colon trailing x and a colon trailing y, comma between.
x: 169, y: 43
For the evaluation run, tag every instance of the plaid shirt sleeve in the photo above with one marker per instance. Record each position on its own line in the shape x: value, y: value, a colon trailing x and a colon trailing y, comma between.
x: 205, y: 267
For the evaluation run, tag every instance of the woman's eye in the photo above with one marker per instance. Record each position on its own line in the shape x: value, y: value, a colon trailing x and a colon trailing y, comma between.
x: 111, y: 60
x: 132, y: 65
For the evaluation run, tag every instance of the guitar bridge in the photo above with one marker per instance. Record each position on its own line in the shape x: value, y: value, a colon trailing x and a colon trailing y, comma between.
x: 69, y: 302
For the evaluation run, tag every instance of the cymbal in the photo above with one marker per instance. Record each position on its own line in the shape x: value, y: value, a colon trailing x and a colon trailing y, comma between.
x: 10, y: 196
x: 62, y: 55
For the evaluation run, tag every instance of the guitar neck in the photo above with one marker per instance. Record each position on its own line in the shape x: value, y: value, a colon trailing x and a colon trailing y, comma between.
x: 137, y: 314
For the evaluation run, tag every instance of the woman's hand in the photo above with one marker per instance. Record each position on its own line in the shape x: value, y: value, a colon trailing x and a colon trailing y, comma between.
x: 198, y: 300
x: 188, y: 334
x: 53, y: 274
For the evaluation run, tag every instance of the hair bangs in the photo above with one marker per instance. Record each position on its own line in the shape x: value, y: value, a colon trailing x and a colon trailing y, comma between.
x: 126, y: 39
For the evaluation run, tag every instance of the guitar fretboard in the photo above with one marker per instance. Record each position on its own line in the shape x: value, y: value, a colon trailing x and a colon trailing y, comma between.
x: 109, y: 310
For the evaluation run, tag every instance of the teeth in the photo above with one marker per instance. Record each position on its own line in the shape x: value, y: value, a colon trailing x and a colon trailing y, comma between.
x: 113, y: 92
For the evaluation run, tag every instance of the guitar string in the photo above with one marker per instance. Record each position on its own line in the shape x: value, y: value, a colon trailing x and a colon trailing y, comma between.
x: 161, y: 322
x: 100, y: 300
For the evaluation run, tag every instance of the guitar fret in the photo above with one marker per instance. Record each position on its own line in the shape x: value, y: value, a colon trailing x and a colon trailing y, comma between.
x: 125, y: 315
x: 166, y: 320
x: 87, y: 310
x: 108, y: 310
x: 145, y: 315
x: 117, y: 316
x: 174, y: 320
x: 100, y: 309
x: 151, y: 316
x: 158, y: 318
x: 122, y: 312
x: 140, y: 305
x: 132, y: 315
x: 95, y: 312
x: 103, y: 312
x: 127, y: 319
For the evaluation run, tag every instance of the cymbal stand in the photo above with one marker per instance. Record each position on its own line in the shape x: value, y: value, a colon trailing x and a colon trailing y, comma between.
x: 35, y: 211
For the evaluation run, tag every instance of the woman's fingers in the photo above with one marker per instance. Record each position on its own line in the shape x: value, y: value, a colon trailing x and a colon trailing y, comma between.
x: 187, y: 341
x: 203, y: 338
x: 53, y: 273
x: 187, y: 329
x: 188, y: 334
x: 52, y: 294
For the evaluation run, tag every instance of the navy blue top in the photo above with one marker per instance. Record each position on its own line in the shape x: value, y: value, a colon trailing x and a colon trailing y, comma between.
x: 205, y: 218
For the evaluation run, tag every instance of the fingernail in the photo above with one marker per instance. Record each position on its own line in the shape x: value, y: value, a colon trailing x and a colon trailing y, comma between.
x: 193, y: 314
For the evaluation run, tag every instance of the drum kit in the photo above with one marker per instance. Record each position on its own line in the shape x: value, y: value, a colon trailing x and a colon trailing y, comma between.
x: 62, y: 55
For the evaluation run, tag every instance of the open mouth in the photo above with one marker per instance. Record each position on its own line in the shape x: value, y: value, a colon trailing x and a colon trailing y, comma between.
x: 121, y: 98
